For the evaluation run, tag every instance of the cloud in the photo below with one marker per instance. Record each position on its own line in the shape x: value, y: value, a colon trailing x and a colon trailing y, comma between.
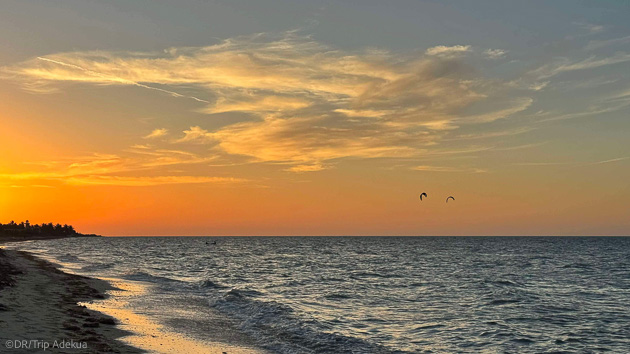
x: 591, y: 28
x: 495, y: 53
x: 307, y: 168
x: 315, y: 139
x: 196, y: 134
x: 156, y: 133
x: 149, y: 181
x: 543, y: 163
x: 613, y: 103
x: 427, y: 168
x: 362, y: 112
x: 104, y: 78
x: 594, y: 62
x: 307, y: 103
x: 537, y: 86
x: 448, y: 52
x: 596, y: 44
x: 562, y: 65
x: 584, y: 84
x: 154, y: 157
x: 576, y: 164
x: 517, y: 105
x: 111, y: 169
x: 612, y: 160
x: 264, y: 104
x: 487, y: 135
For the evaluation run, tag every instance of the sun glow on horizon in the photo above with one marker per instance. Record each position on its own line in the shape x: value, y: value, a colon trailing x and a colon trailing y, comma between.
x: 302, y: 132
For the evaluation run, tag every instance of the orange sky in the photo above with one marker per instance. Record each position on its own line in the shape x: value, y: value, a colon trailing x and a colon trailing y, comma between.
x: 287, y: 132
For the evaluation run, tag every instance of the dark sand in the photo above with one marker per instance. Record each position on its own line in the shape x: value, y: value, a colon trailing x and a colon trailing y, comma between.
x: 38, y: 302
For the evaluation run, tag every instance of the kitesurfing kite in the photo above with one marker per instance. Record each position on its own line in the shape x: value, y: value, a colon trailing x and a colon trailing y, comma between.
x: 423, y: 194
x: 449, y: 198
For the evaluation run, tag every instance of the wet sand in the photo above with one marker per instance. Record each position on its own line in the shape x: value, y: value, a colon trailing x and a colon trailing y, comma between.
x: 154, y: 337
x: 41, y: 304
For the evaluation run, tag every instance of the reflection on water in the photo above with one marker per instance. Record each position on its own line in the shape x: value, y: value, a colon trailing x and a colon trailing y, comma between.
x: 147, y: 334
x: 378, y: 294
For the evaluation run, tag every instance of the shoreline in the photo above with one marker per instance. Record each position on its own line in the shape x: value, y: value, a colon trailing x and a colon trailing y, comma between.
x: 43, y: 304
x: 148, y: 334
x: 40, y: 309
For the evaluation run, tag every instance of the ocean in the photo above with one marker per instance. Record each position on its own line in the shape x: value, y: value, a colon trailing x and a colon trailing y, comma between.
x: 374, y: 294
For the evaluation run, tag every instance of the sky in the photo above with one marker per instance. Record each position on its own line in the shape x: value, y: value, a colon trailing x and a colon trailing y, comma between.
x: 155, y: 117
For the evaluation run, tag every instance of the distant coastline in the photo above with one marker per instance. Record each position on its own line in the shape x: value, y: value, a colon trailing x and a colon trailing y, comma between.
x: 25, y: 231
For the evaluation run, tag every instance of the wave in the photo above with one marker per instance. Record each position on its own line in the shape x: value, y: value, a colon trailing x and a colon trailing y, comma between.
x: 338, y: 296
x: 505, y: 283
x: 97, y: 266
x: 209, y: 284
x: 242, y: 293
x: 499, y: 302
x: 363, y: 275
x: 144, y: 276
x: 69, y: 258
x: 277, y: 328
x: 428, y: 326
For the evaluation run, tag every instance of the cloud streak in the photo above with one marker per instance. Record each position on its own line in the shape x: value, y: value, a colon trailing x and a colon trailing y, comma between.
x: 596, y: 44
x: 428, y: 168
x: 308, y: 103
x: 495, y: 53
x: 563, y: 65
x: 156, y: 133
x: 149, y: 181
x: 448, y: 52
x: 115, y: 170
x: 573, y: 164
x: 104, y: 78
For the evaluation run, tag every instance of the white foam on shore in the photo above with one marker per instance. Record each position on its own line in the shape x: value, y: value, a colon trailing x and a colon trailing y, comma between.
x: 148, y: 334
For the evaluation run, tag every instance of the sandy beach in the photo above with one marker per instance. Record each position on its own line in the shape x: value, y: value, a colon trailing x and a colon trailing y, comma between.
x: 44, y: 309
x: 39, y: 310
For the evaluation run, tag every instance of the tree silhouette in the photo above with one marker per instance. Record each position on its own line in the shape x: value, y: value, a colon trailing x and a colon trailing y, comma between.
x: 42, y: 230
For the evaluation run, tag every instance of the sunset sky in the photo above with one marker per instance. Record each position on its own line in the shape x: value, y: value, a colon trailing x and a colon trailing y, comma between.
x: 316, y: 117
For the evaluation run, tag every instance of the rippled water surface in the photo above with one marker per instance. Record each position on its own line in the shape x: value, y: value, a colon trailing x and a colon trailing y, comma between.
x: 379, y: 294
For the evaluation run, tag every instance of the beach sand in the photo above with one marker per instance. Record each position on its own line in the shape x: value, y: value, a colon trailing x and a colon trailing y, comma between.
x: 41, y: 304
x: 154, y: 337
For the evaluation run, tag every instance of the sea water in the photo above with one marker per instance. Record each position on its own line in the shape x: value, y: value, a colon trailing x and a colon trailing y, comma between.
x: 376, y: 294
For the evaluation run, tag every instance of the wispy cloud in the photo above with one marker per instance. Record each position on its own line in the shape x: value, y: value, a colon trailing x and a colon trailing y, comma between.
x: 543, y: 163
x: 448, y: 52
x: 150, y: 181
x: 427, y: 168
x: 492, y: 134
x: 517, y: 105
x: 111, y: 169
x: 258, y: 105
x: 584, y: 84
x: 196, y: 134
x: 614, y: 42
x: 590, y: 27
x: 613, y: 103
x: 612, y: 160
x: 156, y: 133
x: 96, y: 77
x: 307, y: 168
x: 309, y: 103
x: 495, y: 53
x: 572, y: 163
x: 562, y: 65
